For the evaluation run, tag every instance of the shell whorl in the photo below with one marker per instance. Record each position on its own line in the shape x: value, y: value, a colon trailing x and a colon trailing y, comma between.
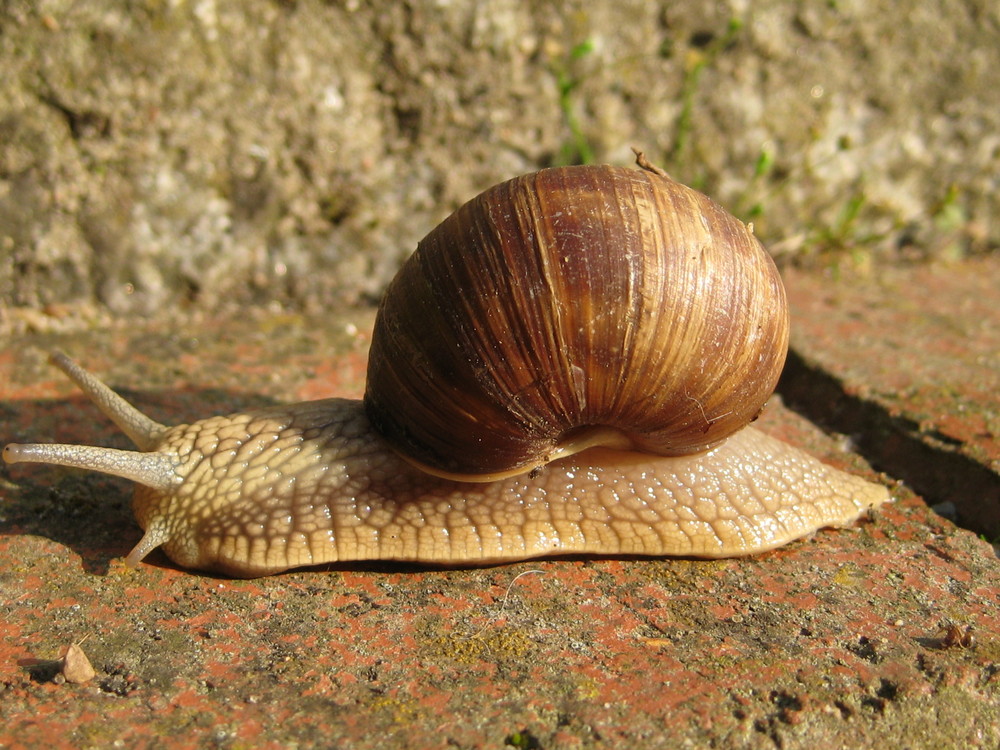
x: 572, y: 307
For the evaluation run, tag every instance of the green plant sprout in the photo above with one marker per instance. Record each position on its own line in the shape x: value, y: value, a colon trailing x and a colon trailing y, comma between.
x: 697, y: 62
x: 577, y: 150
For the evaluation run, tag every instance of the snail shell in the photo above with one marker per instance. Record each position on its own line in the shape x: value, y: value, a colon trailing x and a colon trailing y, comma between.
x: 585, y: 310
x: 573, y: 307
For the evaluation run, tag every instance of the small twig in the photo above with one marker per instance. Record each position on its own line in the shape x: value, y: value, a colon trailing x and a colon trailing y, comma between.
x: 644, y: 163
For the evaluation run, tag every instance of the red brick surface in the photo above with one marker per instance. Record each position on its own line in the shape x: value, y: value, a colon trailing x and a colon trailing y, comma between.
x: 907, y: 361
x: 839, y: 640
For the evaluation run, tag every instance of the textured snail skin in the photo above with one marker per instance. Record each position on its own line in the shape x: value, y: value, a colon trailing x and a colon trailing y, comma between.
x: 263, y: 491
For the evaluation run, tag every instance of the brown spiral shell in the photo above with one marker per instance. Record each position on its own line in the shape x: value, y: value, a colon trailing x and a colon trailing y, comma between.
x: 570, y: 307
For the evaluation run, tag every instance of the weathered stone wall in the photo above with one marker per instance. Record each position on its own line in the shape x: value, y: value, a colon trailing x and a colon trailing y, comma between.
x: 164, y: 155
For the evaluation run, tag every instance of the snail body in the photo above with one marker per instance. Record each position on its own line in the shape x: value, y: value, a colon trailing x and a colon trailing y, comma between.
x: 567, y: 365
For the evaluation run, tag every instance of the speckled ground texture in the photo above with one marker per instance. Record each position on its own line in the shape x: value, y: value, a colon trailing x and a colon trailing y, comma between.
x: 885, y: 634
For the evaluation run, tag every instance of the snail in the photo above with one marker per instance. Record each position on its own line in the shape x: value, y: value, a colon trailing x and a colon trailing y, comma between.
x: 568, y: 364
